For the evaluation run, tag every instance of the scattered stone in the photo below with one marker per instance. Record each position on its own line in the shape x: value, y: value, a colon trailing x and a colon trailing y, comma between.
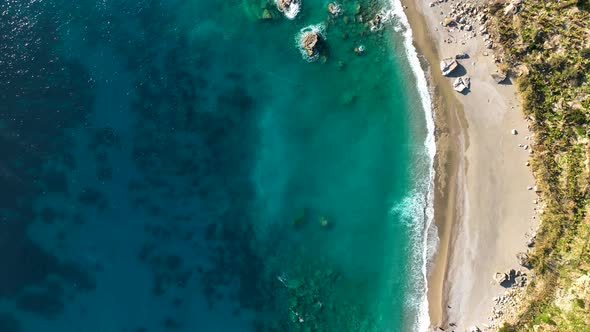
x: 531, y: 241
x: 529, y: 188
x: 474, y: 329
x: 514, y: 132
x: 520, y: 281
x: 448, y: 65
x: 523, y: 259
x: 511, y: 9
x: 500, y: 277
x: 527, y: 164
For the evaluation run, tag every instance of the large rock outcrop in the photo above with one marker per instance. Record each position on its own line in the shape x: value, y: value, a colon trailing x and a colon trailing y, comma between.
x: 310, y: 42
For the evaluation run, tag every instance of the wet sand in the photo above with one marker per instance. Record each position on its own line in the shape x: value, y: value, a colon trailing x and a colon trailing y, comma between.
x: 483, y: 209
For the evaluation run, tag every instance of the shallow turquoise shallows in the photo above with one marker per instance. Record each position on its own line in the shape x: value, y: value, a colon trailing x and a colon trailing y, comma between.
x: 183, y: 165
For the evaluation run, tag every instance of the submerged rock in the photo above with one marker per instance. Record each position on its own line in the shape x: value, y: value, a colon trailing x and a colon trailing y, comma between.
x: 334, y: 9
x: 324, y: 222
x: 359, y: 50
x: 448, y: 65
x: 266, y: 14
x: 375, y: 23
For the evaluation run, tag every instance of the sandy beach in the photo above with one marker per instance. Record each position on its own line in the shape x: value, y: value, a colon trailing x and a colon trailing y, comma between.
x: 483, y: 210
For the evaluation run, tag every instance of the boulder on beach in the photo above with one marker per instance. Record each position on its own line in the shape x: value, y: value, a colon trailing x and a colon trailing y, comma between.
x: 500, y: 277
x: 461, y: 84
x: 499, y: 77
x: 447, y: 65
x: 447, y: 21
x: 309, y: 42
x: 514, y: 132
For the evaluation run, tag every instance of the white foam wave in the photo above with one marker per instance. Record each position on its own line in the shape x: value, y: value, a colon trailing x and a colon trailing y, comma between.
x: 292, y: 11
x: 420, y: 204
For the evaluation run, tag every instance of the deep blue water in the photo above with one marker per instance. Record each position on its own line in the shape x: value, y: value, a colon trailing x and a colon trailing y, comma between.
x: 179, y: 166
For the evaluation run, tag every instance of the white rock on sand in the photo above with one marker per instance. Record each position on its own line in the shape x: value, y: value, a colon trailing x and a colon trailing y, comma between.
x: 448, y: 65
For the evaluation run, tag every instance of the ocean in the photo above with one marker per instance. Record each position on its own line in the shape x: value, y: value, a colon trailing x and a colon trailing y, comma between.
x: 184, y: 165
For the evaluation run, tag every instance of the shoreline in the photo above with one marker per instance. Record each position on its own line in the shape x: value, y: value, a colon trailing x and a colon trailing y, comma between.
x: 449, y: 135
x: 478, y: 167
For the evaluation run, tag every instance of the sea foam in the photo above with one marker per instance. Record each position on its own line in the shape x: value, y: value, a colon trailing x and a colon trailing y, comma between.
x: 293, y: 9
x: 419, y: 207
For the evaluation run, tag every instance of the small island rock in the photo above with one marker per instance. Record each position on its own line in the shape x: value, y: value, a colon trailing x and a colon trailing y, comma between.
x: 309, y: 42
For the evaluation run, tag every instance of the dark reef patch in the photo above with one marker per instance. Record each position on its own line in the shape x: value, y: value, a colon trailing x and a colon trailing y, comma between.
x: 9, y: 323
x: 42, y: 95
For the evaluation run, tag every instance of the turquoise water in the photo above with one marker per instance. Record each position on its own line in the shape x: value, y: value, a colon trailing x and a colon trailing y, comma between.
x: 180, y: 165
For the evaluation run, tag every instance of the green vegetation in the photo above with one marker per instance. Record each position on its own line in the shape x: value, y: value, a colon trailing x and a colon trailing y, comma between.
x: 547, y: 46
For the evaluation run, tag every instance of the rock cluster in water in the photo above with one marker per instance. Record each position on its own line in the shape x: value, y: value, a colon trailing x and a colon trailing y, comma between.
x: 357, y: 17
